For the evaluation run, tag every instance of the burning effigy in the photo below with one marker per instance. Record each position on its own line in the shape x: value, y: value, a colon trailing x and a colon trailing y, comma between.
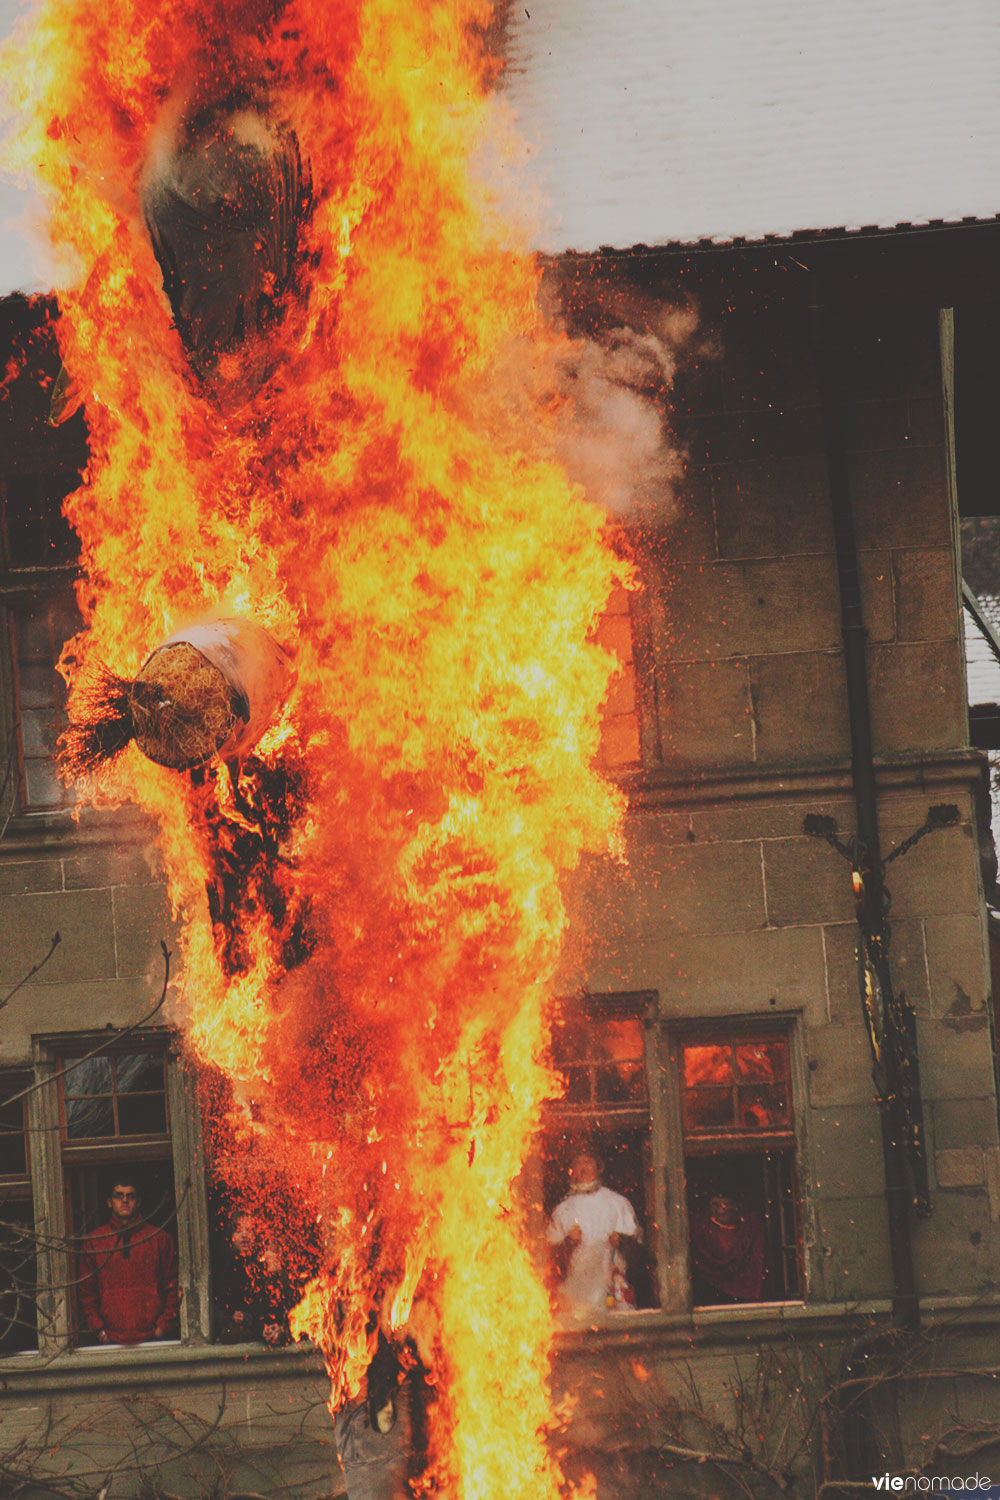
x: 315, y: 445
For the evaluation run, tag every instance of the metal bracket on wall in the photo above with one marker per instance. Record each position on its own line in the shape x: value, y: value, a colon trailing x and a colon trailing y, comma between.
x: 889, y: 1018
x: 818, y: 826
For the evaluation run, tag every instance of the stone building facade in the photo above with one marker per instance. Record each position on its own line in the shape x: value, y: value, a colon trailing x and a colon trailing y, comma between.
x: 731, y: 924
x: 712, y: 1026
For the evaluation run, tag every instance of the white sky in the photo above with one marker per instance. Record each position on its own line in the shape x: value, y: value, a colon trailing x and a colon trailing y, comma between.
x: 652, y: 120
x: 656, y: 121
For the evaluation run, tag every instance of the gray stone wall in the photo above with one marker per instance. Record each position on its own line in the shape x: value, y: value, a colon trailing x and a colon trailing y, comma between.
x: 100, y: 887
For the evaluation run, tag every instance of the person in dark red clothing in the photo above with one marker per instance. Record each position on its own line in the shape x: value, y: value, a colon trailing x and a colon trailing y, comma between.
x: 728, y: 1252
x: 128, y: 1275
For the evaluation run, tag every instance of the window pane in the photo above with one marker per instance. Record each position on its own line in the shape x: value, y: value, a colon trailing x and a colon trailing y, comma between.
x: 38, y: 731
x: 37, y: 533
x: 89, y: 1119
x: 763, y: 1060
x: 569, y: 1042
x: 92, y: 1076
x: 763, y: 1108
x: 708, y: 1109
x: 620, y: 1083
x: 42, y: 787
x: 39, y: 631
x: 141, y: 1072
x: 35, y: 681
x: 577, y: 1085
x: 18, y: 1326
x: 620, y: 1039
x: 142, y: 1114
x: 34, y: 634
x: 13, y: 1144
x: 707, y: 1065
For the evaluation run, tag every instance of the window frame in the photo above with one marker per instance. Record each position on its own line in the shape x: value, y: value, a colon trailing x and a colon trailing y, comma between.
x: 641, y: 1005
x: 51, y: 1156
x: 119, y: 1145
x: 678, y: 1032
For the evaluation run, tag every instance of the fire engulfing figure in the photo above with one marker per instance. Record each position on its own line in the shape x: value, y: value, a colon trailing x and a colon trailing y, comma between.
x: 369, y: 900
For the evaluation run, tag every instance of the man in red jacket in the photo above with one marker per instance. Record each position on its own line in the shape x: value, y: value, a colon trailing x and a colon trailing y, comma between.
x: 128, y: 1275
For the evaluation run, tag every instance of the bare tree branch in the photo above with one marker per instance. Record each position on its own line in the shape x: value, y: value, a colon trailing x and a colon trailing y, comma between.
x: 56, y: 940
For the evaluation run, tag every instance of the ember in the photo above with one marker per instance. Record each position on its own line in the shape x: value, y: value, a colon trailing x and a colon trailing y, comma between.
x: 371, y: 899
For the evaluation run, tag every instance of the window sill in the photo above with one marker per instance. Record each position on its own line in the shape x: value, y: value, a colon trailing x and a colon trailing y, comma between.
x: 57, y: 827
x: 760, y: 1322
x: 763, y: 1320
x: 153, y: 1364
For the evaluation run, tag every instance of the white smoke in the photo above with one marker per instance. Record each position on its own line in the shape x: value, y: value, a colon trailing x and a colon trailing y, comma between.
x: 614, y: 437
x: 601, y: 400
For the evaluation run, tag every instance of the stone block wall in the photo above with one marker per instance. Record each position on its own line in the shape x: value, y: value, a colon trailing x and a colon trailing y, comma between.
x: 743, y: 573
x: 101, y: 889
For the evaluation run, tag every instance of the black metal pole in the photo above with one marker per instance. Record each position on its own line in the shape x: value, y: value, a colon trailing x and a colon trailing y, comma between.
x: 906, y: 1308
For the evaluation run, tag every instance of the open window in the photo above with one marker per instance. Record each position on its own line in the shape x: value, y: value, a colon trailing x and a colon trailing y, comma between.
x: 599, y: 1047
x: 18, y: 1241
x: 740, y: 1168
x: 115, y: 1128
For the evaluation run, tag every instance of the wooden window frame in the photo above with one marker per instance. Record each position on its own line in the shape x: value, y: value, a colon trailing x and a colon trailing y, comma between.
x: 680, y: 1032
x: 52, y: 1155
x: 648, y: 1115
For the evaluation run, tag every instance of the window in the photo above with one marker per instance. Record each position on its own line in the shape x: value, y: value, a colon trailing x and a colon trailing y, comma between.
x: 115, y: 1127
x: 740, y: 1168
x: 38, y: 629
x: 115, y: 1096
x: 40, y: 466
x: 82, y: 1121
x: 599, y: 1047
x: 18, y: 1322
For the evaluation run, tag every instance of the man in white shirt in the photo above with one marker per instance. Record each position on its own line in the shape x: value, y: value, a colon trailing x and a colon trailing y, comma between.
x: 593, y: 1221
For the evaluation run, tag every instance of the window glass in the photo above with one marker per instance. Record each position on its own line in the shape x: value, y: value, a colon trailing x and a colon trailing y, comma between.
x: 18, y: 1252
x: 602, y: 1062
x: 735, y: 1086
x: 13, y: 1139
x: 117, y: 1095
x: 707, y: 1064
x: 37, y: 533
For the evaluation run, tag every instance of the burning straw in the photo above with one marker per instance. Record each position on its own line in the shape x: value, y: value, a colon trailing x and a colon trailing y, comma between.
x: 188, y: 704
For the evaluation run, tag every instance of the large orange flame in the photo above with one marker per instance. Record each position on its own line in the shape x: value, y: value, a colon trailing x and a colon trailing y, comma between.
x: 377, y: 992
